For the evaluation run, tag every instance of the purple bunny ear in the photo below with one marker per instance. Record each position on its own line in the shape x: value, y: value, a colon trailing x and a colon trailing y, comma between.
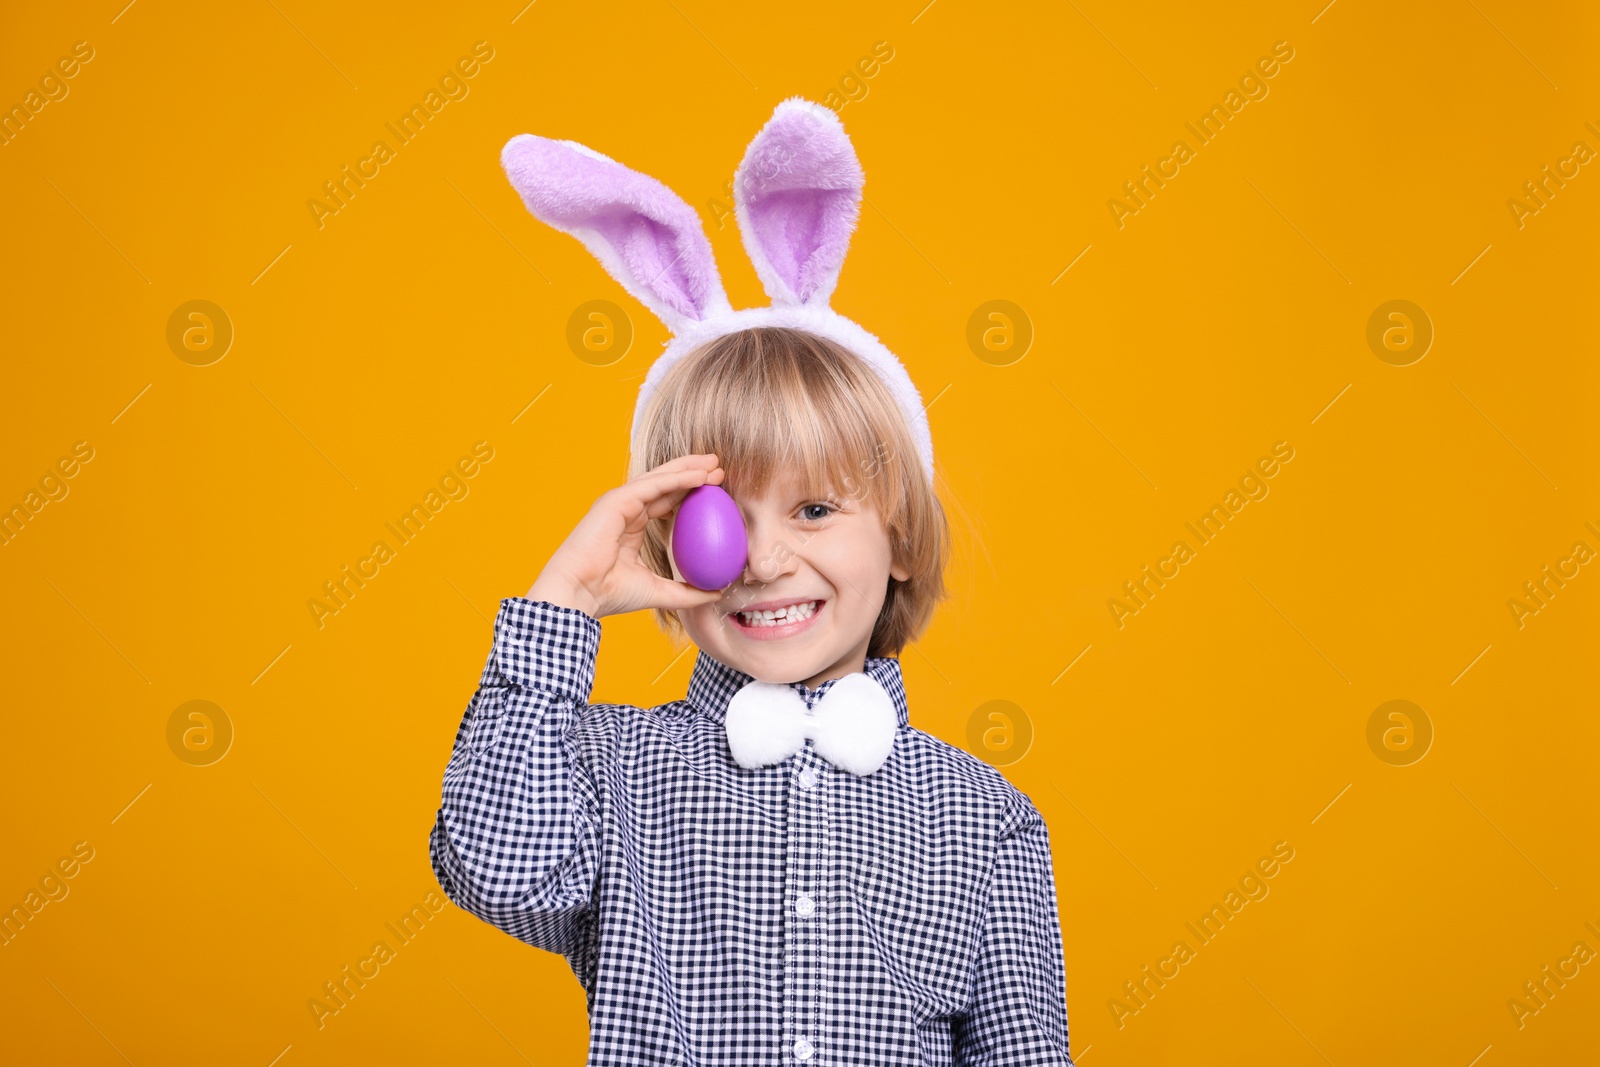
x: 643, y: 233
x: 797, y: 195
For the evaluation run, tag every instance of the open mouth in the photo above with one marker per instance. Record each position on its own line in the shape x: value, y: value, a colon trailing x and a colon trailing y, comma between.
x: 781, y: 622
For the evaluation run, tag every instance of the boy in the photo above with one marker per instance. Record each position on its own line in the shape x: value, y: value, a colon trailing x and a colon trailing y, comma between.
x: 779, y: 867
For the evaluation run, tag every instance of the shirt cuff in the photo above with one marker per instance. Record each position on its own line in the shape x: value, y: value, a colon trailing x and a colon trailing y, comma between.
x: 545, y: 646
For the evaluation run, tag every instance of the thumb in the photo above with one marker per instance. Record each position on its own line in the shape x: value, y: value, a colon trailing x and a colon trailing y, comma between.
x: 680, y: 595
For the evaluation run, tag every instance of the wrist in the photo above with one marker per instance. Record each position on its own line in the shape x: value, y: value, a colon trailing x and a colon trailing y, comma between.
x: 563, y: 594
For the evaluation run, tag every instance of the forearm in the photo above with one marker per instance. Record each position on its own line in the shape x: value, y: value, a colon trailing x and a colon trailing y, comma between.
x: 515, y: 837
x: 1018, y: 1012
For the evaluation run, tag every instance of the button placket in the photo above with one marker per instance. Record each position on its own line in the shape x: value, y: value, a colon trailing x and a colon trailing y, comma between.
x: 807, y: 857
x: 805, y: 925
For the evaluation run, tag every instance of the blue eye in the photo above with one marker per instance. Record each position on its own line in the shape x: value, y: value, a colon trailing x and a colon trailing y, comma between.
x: 830, y: 510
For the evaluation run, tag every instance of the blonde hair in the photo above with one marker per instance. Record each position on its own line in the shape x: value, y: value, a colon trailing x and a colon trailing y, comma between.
x: 771, y: 399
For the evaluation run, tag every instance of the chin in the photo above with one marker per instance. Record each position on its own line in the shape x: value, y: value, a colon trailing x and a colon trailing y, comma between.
x: 776, y: 668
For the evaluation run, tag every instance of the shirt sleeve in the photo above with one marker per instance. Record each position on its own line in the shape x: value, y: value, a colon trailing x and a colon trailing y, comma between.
x: 1018, y: 1011
x: 517, y: 835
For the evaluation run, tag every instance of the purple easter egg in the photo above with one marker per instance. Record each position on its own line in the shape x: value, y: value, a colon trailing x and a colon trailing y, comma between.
x: 709, y: 542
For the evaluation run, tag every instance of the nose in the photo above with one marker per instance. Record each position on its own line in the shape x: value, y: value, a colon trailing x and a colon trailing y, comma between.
x: 771, y: 555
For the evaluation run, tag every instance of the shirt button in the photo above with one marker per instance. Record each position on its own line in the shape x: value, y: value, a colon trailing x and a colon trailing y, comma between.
x: 803, y: 1049
x: 805, y: 906
x: 808, y: 778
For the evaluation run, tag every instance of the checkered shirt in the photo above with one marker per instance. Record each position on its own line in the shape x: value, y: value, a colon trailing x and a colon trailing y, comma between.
x: 791, y: 914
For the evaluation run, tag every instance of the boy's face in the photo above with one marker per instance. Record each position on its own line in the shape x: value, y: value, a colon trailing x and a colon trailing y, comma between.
x: 832, y: 550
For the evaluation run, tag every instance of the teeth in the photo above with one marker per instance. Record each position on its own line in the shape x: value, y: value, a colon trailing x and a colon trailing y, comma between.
x: 792, y: 613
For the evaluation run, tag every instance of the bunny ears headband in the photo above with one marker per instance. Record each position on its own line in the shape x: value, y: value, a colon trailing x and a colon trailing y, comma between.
x: 797, y: 196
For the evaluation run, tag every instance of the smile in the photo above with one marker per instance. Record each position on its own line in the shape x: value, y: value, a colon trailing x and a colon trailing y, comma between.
x: 779, y: 623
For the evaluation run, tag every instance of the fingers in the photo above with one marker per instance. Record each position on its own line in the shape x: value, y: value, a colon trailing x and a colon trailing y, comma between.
x: 667, y: 504
x: 661, y: 490
x: 685, y: 472
x: 707, y: 461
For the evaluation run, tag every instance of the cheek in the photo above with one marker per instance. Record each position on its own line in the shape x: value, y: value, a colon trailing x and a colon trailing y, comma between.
x: 859, y: 566
x: 709, y: 630
x: 700, y: 621
x: 876, y: 550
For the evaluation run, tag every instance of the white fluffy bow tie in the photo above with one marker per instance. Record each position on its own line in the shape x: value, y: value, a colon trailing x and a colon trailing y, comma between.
x: 852, y: 725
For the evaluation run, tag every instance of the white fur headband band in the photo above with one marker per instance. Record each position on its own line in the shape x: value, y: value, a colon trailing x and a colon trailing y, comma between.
x: 797, y: 195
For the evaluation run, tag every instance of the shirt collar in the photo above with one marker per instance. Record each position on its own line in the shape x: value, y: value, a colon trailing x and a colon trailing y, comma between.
x: 714, y: 684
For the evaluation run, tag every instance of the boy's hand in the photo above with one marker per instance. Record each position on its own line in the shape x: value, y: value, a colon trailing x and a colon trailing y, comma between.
x: 598, y: 569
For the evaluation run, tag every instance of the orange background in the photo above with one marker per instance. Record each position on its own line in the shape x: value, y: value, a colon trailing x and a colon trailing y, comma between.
x: 1230, y: 313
